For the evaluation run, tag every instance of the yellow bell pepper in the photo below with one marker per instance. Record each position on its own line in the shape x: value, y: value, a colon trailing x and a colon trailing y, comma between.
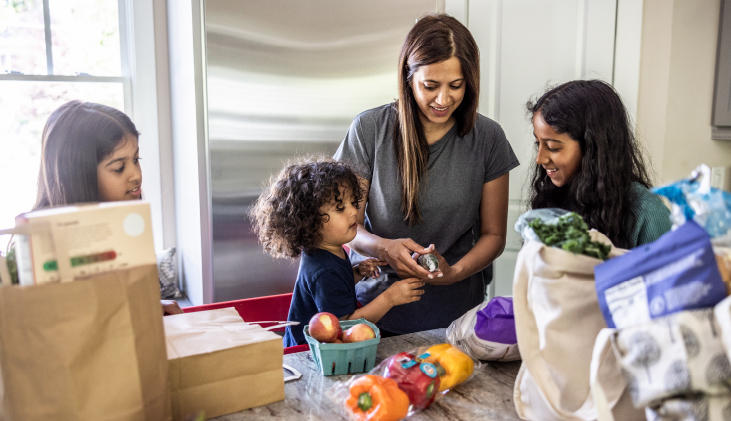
x: 456, y: 364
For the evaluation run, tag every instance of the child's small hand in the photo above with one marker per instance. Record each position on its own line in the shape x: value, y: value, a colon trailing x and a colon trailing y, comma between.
x: 405, y: 291
x: 369, y: 267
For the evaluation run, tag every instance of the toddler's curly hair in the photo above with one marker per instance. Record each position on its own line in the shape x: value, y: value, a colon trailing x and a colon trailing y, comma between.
x: 286, y: 217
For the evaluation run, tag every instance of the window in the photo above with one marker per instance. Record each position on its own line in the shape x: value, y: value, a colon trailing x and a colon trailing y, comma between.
x: 52, y: 51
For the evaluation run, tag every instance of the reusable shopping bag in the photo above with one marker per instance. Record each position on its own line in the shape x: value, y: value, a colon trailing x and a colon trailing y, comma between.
x: 558, y: 320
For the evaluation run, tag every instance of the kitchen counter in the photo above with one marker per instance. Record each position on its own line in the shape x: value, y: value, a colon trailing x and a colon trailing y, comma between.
x: 486, y: 396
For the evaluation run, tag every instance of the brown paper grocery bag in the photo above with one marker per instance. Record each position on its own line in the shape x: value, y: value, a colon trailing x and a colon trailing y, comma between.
x: 92, y: 349
x: 220, y: 364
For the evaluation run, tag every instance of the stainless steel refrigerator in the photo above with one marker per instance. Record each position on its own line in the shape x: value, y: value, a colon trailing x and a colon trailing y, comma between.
x: 286, y: 78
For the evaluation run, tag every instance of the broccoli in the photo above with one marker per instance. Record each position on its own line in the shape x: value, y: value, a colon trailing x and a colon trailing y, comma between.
x: 570, y: 233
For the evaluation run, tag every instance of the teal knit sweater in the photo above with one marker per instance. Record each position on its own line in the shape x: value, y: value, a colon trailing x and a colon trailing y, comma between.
x: 652, y: 217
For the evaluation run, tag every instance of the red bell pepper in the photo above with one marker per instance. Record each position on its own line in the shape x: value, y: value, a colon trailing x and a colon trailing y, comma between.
x: 415, y: 376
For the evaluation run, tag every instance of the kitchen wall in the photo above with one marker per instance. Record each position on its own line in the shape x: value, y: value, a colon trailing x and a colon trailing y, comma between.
x: 677, y: 71
x: 525, y: 47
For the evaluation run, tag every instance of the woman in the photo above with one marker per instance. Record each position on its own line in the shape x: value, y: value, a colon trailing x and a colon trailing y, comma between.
x: 90, y: 154
x: 589, y: 162
x: 436, y: 173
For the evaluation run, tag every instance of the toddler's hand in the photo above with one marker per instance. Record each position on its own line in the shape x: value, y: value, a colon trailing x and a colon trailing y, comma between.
x: 369, y: 267
x: 405, y: 291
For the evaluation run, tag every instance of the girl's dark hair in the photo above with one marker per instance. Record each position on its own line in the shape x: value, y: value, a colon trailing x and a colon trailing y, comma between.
x: 286, y: 217
x: 591, y: 112
x: 77, y: 136
x: 434, y: 38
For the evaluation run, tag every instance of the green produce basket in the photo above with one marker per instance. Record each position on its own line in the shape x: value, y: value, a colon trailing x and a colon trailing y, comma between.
x: 337, y: 359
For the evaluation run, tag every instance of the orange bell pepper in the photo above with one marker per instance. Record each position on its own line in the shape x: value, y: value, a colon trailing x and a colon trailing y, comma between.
x: 456, y: 364
x: 376, y: 398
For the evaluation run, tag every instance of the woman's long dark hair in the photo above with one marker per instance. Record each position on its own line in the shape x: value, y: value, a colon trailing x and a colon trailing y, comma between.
x: 77, y: 136
x: 591, y: 112
x: 434, y: 38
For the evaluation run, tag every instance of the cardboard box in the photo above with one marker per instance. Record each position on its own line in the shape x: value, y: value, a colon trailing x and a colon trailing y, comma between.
x: 94, y: 238
x: 220, y: 364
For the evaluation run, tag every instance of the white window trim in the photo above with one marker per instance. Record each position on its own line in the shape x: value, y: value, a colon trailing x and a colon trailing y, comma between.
x: 139, y: 43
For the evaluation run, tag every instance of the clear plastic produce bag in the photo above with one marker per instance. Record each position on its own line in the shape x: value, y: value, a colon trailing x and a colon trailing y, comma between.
x: 487, y: 332
x: 548, y: 216
x: 403, y: 384
x: 694, y: 199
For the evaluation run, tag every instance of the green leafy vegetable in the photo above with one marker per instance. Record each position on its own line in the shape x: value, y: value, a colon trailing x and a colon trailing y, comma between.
x: 12, y: 265
x: 570, y: 233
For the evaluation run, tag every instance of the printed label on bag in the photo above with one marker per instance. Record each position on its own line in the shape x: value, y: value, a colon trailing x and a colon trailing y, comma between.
x: 493, y: 351
x: 675, y: 273
x: 628, y: 302
x: 646, y: 297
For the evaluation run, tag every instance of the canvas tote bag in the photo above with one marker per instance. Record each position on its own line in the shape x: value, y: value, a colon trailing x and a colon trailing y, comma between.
x: 558, y: 320
x: 91, y: 349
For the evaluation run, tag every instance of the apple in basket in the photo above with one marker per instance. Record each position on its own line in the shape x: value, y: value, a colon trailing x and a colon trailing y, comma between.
x: 357, y: 333
x: 324, y: 327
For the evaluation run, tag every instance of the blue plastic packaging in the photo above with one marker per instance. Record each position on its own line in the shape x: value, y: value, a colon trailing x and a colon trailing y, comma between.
x: 675, y: 273
x: 694, y: 199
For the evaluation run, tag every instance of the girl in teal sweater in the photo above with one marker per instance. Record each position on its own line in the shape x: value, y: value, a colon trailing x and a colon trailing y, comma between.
x: 589, y: 162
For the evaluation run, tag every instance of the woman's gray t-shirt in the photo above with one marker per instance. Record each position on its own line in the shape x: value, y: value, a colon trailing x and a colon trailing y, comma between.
x: 449, y: 204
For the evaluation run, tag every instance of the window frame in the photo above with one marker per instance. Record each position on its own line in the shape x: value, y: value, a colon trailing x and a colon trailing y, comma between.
x: 139, y: 79
x: 124, y: 54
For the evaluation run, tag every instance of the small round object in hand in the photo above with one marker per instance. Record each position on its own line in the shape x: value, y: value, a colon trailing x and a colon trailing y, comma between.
x: 428, y: 262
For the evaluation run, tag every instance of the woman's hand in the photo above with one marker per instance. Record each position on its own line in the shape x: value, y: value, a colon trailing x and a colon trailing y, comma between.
x: 446, y: 274
x: 170, y: 307
x: 368, y: 268
x: 398, y: 255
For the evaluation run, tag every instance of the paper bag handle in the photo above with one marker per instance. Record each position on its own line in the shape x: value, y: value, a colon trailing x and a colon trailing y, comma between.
x: 278, y: 325
x: 295, y: 374
x: 63, y: 259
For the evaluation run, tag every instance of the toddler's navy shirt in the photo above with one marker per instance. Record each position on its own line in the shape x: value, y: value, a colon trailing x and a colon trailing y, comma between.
x: 324, y: 283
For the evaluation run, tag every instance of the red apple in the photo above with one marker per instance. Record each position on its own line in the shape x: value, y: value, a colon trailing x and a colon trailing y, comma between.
x: 340, y: 333
x: 324, y: 327
x: 357, y: 333
x: 337, y: 341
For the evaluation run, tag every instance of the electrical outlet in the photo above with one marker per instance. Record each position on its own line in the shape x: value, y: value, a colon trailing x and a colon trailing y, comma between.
x: 720, y: 178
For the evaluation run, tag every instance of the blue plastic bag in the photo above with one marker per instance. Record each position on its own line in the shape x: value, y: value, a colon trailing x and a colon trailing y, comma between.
x: 694, y: 199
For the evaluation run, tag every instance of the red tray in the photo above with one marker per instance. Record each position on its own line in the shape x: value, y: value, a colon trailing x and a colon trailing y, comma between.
x: 270, y: 309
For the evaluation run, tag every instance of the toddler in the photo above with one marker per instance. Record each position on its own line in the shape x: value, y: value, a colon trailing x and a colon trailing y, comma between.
x: 311, y: 209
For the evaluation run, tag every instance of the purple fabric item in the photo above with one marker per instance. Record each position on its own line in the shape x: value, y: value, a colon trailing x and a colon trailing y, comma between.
x: 496, y: 322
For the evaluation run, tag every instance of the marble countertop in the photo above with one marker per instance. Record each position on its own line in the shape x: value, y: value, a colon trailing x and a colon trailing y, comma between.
x: 488, y: 395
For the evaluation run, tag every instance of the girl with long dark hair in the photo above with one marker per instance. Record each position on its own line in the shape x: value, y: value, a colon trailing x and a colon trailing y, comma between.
x: 588, y: 161
x: 90, y: 154
x: 436, y: 179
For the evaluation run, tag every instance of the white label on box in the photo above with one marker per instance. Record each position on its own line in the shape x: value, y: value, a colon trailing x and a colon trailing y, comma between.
x: 627, y: 303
